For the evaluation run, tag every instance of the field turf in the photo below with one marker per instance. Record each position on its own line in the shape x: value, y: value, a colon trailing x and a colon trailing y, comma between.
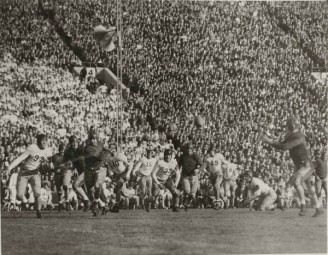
x: 164, y: 232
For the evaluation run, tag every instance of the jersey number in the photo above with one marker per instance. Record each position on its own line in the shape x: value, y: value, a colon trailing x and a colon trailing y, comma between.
x: 214, y: 163
x: 166, y: 170
x: 38, y: 158
x: 149, y: 164
x: 115, y: 163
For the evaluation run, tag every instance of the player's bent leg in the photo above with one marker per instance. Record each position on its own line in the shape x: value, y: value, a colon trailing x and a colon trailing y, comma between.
x: 324, y: 187
x: 117, y: 191
x: 217, y: 185
x: 147, y: 192
x: 186, y: 190
x: 175, y: 194
x: 194, y: 186
x: 100, y: 176
x: 268, y: 201
x: 21, y: 186
x: 89, y: 181
x: 233, y: 188
x: 66, y: 182
x: 227, y: 193
x: 36, y: 188
x: 143, y: 186
x: 318, y: 186
x: 297, y: 182
x: 316, y: 202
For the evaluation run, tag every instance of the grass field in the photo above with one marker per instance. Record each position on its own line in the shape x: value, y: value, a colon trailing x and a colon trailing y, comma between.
x: 164, y: 232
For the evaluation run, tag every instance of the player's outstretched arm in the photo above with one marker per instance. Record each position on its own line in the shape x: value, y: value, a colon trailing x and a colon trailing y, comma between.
x: 17, y: 161
x: 286, y: 145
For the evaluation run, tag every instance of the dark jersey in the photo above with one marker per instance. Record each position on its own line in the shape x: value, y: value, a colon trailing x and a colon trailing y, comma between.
x: 76, y: 157
x: 189, y: 163
x: 320, y: 167
x: 93, y: 155
x: 57, y: 160
x: 296, y: 144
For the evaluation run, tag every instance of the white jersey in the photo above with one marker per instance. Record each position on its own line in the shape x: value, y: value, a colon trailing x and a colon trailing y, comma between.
x: 230, y: 173
x: 116, y: 164
x: 36, y: 157
x: 215, y: 163
x: 165, y: 169
x: 147, y: 165
x: 263, y: 188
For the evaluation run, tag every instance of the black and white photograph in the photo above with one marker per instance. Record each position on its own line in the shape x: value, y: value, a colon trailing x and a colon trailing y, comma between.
x: 159, y: 127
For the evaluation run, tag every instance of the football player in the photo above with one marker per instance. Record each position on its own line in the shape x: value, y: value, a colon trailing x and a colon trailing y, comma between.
x: 122, y: 168
x: 258, y: 189
x: 296, y: 144
x: 230, y: 175
x: 189, y: 162
x: 32, y: 159
x: 320, y: 166
x: 145, y: 167
x: 213, y: 162
x: 74, y: 153
x: 95, y: 173
x: 162, y: 176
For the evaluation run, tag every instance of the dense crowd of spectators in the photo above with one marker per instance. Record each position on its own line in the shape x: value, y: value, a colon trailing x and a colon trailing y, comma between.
x: 228, y: 62
x: 306, y: 19
x: 28, y: 36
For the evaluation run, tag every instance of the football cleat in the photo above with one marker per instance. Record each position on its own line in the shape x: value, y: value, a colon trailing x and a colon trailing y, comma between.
x: 281, y: 208
x: 86, y: 205
x: 147, y: 206
x: 68, y: 206
x: 175, y: 209
x: 105, y: 209
x: 115, y: 208
x: 216, y: 205
x: 303, y: 211
x: 94, y: 209
x: 38, y: 214
x: 318, y: 211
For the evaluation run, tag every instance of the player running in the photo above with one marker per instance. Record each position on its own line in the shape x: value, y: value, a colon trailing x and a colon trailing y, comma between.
x: 95, y: 173
x: 213, y: 162
x: 258, y: 189
x: 59, y: 177
x: 162, y: 176
x: 296, y: 144
x: 145, y: 167
x: 34, y: 156
x: 118, y: 163
x: 230, y: 175
x: 189, y: 162
x: 74, y: 153
x: 320, y: 167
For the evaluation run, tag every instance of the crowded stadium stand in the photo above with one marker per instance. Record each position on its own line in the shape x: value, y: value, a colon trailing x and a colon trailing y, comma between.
x: 242, y: 67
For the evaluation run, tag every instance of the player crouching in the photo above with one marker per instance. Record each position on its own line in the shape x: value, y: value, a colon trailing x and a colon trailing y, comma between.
x: 260, y: 190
